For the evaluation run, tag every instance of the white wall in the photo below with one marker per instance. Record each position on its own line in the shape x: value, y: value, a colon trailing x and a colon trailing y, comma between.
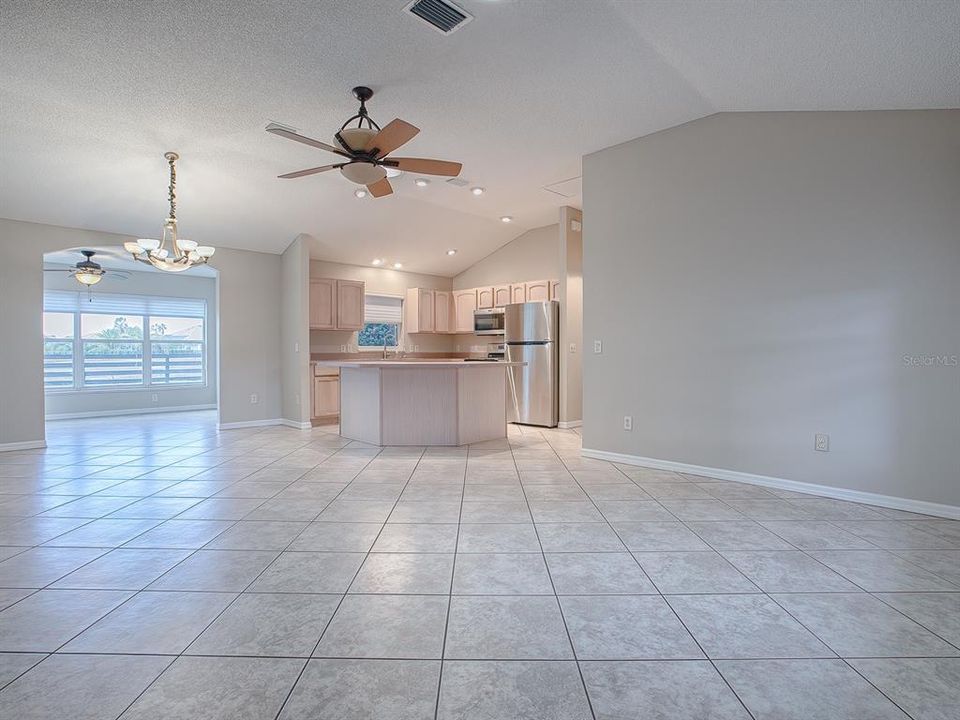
x: 133, y: 399
x: 248, y: 291
x: 534, y: 255
x: 377, y: 280
x: 759, y: 278
x: 295, y: 331
x: 571, y: 316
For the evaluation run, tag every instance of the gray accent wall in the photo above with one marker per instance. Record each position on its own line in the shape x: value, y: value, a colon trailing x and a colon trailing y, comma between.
x: 533, y: 255
x: 757, y: 278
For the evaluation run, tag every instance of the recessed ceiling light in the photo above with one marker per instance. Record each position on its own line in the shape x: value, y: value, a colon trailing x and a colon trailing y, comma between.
x: 421, y: 182
x: 452, y: 251
x: 397, y: 266
x: 360, y: 193
x: 377, y: 261
x: 477, y: 190
x: 506, y: 218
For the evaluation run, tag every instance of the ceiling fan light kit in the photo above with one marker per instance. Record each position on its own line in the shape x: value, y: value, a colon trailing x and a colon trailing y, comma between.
x: 87, y: 272
x: 185, y: 253
x: 366, y: 147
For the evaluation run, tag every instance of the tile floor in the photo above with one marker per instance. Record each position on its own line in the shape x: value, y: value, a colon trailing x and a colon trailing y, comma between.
x: 155, y: 568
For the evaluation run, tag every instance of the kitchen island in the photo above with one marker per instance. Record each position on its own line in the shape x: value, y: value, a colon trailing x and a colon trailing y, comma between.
x: 422, y: 402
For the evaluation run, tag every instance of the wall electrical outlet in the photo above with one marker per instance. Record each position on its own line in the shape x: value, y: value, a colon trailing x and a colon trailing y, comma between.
x: 628, y: 422
x: 597, y: 346
x: 343, y: 348
x: 296, y: 347
x: 573, y: 347
x: 821, y: 442
x: 154, y: 397
x: 254, y: 398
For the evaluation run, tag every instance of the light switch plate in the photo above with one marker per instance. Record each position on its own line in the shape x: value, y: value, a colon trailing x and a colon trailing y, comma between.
x: 821, y: 442
x: 573, y: 347
x: 597, y: 346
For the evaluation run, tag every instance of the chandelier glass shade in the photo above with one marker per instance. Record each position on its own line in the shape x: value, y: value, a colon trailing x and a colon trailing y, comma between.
x: 170, y: 253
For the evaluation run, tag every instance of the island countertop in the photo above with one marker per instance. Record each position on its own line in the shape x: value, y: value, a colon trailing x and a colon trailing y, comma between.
x: 417, y: 363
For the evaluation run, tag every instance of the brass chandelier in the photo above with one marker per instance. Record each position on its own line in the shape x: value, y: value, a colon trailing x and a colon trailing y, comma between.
x: 183, y: 254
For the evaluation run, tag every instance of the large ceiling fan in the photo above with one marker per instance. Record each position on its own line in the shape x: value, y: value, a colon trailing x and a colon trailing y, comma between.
x: 87, y: 272
x: 366, y: 147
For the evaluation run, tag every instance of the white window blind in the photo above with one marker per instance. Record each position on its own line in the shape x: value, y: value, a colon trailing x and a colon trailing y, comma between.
x: 383, y: 309
x: 74, y: 302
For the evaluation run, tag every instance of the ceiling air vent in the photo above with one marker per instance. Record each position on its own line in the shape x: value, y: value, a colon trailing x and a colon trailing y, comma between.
x: 443, y: 16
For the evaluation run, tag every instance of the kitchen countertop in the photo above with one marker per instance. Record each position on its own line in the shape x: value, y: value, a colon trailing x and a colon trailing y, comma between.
x: 421, y: 363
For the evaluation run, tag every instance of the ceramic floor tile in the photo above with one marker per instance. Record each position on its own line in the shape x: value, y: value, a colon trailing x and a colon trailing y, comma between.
x: 626, y: 628
x: 309, y: 572
x: 386, y: 626
x: 405, y: 573
x: 597, y: 574
x: 816, y: 535
x: 160, y: 623
x: 881, y: 571
x: 660, y: 690
x: 47, y: 619
x: 258, y: 535
x: 579, y: 537
x: 859, y: 625
x: 693, y: 572
x: 501, y: 574
x: 927, y: 688
x: 493, y: 537
x: 12, y: 665
x: 341, y: 689
x: 653, y: 536
x: 782, y: 572
x: 945, y: 564
x: 524, y: 690
x: 123, y: 569
x: 938, y: 612
x: 336, y: 537
x: 40, y: 566
x: 106, y: 532
x: 396, y: 537
x: 745, y: 535
x: 205, y: 688
x: 508, y: 628
x: 745, y: 626
x: 285, y: 625
x: 180, y: 534
x: 806, y: 690
x: 216, y: 571
x: 81, y: 687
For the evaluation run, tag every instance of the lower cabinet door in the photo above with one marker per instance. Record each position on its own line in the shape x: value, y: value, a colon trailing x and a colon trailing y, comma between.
x: 326, y: 396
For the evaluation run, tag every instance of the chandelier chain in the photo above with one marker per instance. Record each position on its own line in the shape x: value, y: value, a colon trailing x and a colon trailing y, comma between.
x: 171, y: 158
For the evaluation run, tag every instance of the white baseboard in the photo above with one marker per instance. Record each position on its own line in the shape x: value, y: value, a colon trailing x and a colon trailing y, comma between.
x: 567, y: 424
x: 248, y: 424
x: 888, y: 501
x: 140, y: 411
x: 296, y: 425
x: 25, y: 445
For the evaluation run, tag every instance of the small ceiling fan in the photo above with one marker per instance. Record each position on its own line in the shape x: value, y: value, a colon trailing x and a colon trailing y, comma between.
x: 366, y: 147
x: 87, y: 272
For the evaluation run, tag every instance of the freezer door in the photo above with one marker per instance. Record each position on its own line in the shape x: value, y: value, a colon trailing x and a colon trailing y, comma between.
x: 533, y: 321
x: 532, y: 389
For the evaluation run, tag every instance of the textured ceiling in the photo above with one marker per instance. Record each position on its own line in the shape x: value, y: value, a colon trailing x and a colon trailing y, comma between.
x: 92, y: 94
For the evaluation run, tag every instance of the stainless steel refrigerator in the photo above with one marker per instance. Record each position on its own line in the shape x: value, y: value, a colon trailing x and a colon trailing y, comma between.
x: 531, y: 335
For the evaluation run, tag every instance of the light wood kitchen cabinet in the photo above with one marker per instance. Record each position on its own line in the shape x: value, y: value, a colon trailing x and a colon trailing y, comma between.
x: 501, y: 295
x: 326, y: 396
x: 419, y: 310
x: 441, y: 311
x: 554, y: 289
x: 538, y: 291
x: 464, y: 305
x: 323, y: 304
x: 518, y: 292
x: 484, y: 298
x: 350, y: 303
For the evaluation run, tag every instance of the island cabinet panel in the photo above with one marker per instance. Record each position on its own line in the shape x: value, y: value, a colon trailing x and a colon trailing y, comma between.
x: 501, y: 296
x: 326, y: 396
x: 485, y: 298
x: 518, y: 292
x: 350, y: 303
x: 323, y: 304
x: 538, y: 291
x: 441, y: 311
x: 481, y: 412
x: 554, y: 289
x: 429, y: 396
x: 464, y: 305
x: 360, y: 405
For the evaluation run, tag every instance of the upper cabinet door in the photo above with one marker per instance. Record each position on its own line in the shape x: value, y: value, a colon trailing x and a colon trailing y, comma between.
x: 349, y: 304
x: 323, y: 304
x: 441, y: 311
x: 501, y: 296
x: 425, y: 311
x: 554, y: 289
x: 538, y: 291
x: 518, y: 293
x: 485, y: 298
x: 464, y: 305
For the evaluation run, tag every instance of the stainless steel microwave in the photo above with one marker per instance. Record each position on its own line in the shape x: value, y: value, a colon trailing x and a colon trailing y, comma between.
x: 488, y: 322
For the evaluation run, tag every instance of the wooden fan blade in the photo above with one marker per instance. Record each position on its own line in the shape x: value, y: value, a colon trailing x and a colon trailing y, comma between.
x: 380, y: 188
x: 309, y: 171
x: 291, y: 135
x: 425, y: 166
x: 396, y: 133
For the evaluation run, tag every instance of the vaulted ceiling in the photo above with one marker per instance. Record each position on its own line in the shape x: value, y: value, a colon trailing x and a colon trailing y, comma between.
x: 92, y: 94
